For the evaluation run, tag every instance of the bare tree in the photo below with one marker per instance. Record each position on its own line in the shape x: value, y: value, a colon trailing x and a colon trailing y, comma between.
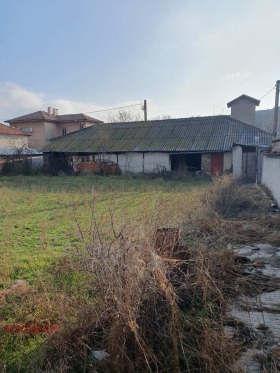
x: 161, y: 117
x: 123, y: 116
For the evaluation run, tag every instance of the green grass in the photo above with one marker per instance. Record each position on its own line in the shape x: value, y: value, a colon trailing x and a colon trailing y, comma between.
x: 37, y: 214
x: 42, y: 219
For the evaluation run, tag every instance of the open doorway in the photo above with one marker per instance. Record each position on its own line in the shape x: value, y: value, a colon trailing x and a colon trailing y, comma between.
x: 186, y: 162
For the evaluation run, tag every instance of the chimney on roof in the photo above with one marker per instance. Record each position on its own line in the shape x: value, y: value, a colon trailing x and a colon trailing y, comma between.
x: 56, y: 111
x: 49, y: 110
x: 243, y: 108
x: 53, y: 111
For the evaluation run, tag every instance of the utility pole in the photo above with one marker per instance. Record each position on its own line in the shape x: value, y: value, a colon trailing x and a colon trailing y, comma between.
x: 145, y: 110
x: 274, y: 133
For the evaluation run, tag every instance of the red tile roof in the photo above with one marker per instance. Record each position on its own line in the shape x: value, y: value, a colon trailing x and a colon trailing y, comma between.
x: 5, y: 130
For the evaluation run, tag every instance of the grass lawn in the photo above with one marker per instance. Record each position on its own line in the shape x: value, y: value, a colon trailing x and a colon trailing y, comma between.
x: 43, y: 218
x: 39, y: 216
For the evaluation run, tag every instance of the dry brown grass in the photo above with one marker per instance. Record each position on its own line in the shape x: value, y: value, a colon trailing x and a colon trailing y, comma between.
x: 150, y: 315
x: 153, y: 313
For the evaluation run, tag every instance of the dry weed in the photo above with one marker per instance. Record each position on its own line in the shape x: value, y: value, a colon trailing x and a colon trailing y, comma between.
x: 153, y: 313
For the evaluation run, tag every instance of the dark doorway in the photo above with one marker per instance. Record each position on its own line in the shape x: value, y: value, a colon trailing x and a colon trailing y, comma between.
x: 249, y: 163
x: 186, y: 162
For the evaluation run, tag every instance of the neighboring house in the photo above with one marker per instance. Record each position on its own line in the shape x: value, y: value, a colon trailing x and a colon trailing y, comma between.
x: 43, y: 126
x: 14, y: 144
x: 12, y: 137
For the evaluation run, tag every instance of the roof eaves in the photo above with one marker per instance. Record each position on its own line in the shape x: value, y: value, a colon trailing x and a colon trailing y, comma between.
x: 256, y: 101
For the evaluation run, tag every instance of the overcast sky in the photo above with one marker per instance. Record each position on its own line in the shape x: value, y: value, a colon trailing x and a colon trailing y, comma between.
x: 186, y: 57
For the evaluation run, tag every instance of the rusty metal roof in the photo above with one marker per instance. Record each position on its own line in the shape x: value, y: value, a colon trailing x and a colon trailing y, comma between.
x: 196, y: 134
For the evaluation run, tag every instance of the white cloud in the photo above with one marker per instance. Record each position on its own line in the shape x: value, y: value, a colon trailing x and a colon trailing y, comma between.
x: 16, y: 100
x: 237, y: 77
x: 13, y: 96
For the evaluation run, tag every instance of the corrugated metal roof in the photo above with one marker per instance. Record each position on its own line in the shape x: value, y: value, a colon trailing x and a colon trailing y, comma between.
x: 197, y: 134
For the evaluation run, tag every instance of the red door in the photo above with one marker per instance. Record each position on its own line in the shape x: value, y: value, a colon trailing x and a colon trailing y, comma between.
x: 217, y: 163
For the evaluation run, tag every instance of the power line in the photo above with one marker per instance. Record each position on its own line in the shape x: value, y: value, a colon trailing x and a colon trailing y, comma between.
x: 243, y: 112
x: 115, y: 108
x: 235, y: 118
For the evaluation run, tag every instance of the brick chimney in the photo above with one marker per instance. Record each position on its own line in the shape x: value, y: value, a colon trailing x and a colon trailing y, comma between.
x: 243, y: 108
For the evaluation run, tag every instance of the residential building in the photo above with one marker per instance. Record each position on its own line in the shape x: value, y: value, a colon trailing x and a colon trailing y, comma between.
x: 43, y: 126
x: 14, y: 144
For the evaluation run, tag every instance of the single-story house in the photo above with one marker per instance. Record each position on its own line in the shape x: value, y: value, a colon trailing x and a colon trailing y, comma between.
x: 212, y: 144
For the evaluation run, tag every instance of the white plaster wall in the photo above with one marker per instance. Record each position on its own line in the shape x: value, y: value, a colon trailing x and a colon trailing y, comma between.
x: 14, y: 141
x: 142, y: 162
x: 131, y: 162
x: 237, y: 161
x: 271, y: 175
x: 227, y: 161
x: 153, y: 161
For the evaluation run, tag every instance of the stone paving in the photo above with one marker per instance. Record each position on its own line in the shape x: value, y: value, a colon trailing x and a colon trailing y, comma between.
x: 260, y: 314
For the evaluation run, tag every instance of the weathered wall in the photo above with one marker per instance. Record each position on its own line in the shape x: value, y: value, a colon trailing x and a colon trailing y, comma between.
x: 131, y: 162
x: 154, y: 162
x: 227, y: 161
x: 14, y: 141
x: 237, y: 160
x: 271, y: 175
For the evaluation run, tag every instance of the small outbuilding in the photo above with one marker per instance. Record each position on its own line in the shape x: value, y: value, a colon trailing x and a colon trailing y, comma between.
x: 212, y: 144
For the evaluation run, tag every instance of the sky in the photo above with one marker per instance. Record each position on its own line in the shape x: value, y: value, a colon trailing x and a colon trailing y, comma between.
x: 185, y: 57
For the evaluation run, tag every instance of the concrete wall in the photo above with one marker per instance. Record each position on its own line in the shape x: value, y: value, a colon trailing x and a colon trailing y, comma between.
x: 237, y: 160
x: 37, y: 138
x: 14, y: 141
x: 244, y: 110
x: 271, y: 175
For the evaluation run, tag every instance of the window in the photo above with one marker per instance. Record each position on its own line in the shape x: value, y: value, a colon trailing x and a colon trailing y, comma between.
x: 63, y: 131
x: 81, y: 125
x: 27, y: 129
